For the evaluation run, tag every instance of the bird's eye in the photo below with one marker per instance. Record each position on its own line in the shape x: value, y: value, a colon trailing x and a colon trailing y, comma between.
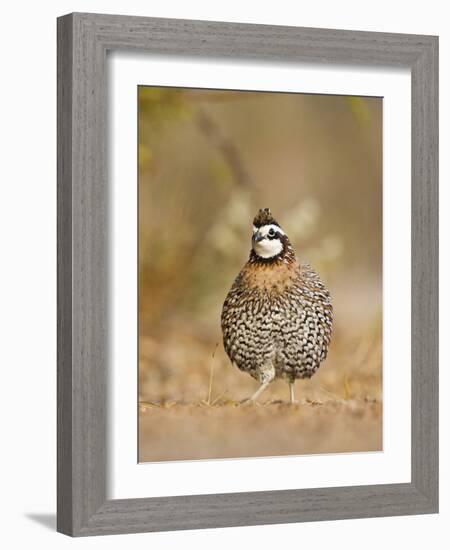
x: 271, y: 232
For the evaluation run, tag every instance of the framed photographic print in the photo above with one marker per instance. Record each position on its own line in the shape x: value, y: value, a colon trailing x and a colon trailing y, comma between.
x: 247, y: 274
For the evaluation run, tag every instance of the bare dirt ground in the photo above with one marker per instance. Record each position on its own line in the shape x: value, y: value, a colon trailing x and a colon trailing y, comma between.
x: 227, y: 429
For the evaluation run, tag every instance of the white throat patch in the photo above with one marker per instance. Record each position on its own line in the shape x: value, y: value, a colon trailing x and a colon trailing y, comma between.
x: 267, y: 248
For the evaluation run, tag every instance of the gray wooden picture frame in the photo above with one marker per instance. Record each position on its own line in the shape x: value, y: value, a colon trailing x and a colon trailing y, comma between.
x: 83, y: 42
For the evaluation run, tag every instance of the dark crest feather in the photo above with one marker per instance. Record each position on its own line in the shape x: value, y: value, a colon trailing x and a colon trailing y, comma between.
x: 264, y: 217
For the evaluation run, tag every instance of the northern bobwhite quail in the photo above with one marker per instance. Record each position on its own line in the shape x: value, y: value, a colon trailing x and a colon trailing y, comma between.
x: 277, y: 317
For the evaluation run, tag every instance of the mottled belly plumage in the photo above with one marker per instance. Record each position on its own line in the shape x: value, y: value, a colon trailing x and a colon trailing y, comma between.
x: 277, y: 324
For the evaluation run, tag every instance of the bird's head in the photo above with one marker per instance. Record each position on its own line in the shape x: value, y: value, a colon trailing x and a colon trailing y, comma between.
x: 269, y: 241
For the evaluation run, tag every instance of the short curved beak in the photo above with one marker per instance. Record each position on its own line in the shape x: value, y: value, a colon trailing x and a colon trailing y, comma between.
x: 257, y: 237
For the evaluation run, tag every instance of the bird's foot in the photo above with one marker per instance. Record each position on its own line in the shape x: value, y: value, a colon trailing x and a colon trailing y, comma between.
x: 248, y: 402
x: 252, y: 400
x: 274, y: 402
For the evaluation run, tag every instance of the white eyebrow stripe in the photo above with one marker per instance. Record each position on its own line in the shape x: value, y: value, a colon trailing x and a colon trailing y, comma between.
x: 264, y: 230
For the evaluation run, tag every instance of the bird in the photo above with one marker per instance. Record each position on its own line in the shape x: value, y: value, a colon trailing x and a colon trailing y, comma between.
x: 277, y: 318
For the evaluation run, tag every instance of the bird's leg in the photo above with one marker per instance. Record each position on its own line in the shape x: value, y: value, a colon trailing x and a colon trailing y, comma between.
x: 257, y: 393
x: 265, y: 375
x: 291, y: 391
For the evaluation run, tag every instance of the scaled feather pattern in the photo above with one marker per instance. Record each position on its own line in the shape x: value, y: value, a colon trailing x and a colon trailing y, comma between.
x: 277, y: 317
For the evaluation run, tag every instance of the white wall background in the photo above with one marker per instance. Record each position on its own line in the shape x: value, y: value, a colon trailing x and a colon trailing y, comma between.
x: 28, y: 269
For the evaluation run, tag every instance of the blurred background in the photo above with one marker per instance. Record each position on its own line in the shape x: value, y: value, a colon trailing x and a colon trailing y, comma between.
x: 208, y: 160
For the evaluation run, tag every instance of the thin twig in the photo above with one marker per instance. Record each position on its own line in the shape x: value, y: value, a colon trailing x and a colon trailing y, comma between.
x: 225, y: 145
x: 219, y: 397
x: 211, y: 374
